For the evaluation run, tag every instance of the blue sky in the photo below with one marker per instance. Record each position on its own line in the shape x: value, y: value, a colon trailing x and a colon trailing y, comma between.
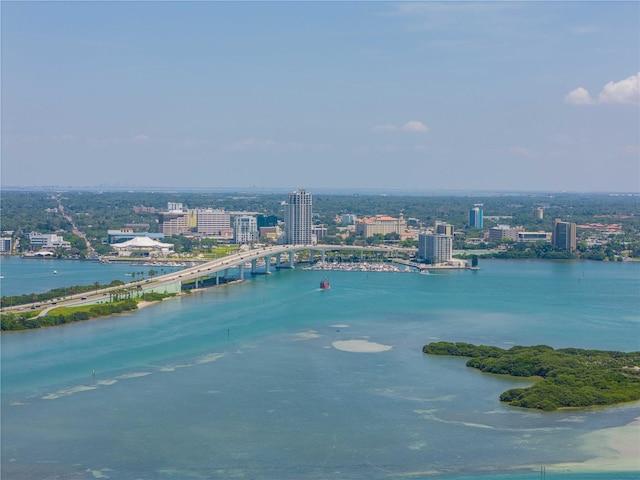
x: 423, y: 95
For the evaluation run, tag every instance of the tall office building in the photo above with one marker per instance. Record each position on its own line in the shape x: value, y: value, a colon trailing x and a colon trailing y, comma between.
x: 298, y: 213
x: 475, y: 217
x: 435, y: 248
x: 564, y: 235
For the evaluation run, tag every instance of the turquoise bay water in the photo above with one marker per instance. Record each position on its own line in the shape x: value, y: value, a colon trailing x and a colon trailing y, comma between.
x: 35, y: 275
x: 243, y: 381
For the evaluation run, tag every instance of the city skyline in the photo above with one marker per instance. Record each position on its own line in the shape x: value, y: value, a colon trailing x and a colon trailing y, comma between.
x: 429, y: 96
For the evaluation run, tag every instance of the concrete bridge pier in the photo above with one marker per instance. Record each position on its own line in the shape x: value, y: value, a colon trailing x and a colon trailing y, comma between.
x: 226, y: 274
x: 217, y: 278
x: 241, y: 269
x: 323, y: 256
x: 278, y: 255
x: 291, y: 259
x: 267, y: 264
x: 253, y: 265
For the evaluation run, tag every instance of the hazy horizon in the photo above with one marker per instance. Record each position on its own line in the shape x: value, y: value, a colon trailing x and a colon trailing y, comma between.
x: 353, y: 96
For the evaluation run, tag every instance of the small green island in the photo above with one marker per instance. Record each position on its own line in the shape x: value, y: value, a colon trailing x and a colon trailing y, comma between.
x: 568, y: 377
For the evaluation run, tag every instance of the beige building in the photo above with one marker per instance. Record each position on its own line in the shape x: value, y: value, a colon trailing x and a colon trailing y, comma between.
x: 382, y: 224
x: 174, y: 223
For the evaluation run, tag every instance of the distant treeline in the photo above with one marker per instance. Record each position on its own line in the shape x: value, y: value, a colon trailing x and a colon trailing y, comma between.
x: 571, y: 377
x: 53, y: 294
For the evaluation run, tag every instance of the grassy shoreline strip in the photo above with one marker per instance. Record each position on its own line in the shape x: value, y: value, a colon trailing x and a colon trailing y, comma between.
x: 63, y: 315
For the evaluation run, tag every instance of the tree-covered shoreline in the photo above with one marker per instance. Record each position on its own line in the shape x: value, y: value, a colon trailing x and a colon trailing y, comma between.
x: 570, y: 377
x: 30, y: 320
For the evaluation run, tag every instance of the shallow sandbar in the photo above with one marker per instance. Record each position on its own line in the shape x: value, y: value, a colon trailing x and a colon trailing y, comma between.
x: 360, y: 346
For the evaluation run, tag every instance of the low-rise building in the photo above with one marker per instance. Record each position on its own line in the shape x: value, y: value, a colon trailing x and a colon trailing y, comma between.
x: 143, y: 246
x: 124, y: 234
x: 48, y: 241
x: 5, y: 245
x: 503, y: 232
x: 534, y: 236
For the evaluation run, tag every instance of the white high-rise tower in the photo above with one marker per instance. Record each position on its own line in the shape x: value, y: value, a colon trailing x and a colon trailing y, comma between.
x: 298, y: 214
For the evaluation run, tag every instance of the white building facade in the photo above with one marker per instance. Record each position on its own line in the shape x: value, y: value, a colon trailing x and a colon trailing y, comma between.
x: 435, y: 248
x: 245, y: 229
x: 298, y: 215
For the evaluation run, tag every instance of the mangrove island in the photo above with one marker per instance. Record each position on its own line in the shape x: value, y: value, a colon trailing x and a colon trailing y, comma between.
x: 568, y: 377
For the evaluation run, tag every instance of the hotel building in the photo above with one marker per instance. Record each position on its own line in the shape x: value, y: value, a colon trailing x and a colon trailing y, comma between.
x: 382, y: 224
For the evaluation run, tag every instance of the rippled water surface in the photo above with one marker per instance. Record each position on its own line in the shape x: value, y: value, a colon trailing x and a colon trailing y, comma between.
x: 245, y: 381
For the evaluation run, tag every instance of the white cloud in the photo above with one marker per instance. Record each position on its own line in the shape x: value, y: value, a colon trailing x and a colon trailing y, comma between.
x: 579, y: 96
x: 141, y: 138
x: 624, y: 92
x: 415, y: 126
x: 384, y: 128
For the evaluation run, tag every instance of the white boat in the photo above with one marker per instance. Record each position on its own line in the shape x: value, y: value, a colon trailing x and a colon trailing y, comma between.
x: 55, y: 272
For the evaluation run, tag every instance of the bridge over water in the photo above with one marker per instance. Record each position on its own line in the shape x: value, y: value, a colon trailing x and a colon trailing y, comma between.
x: 257, y: 261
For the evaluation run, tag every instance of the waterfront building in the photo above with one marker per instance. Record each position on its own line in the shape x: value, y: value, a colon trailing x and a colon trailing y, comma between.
x: 298, y: 214
x: 534, y: 236
x: 444, y: 228
x: 213, y: 222
x: 48, y: 241
x: 5, y: 245
x: 475, y: 217
x: 124, y: 234
x: 175, y: 207
x: 380, y: 224
x: 435, y: 248
x: 245, y: 229
x: 503, y: 232
x: 143, y: 247
x: 564, y: 235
